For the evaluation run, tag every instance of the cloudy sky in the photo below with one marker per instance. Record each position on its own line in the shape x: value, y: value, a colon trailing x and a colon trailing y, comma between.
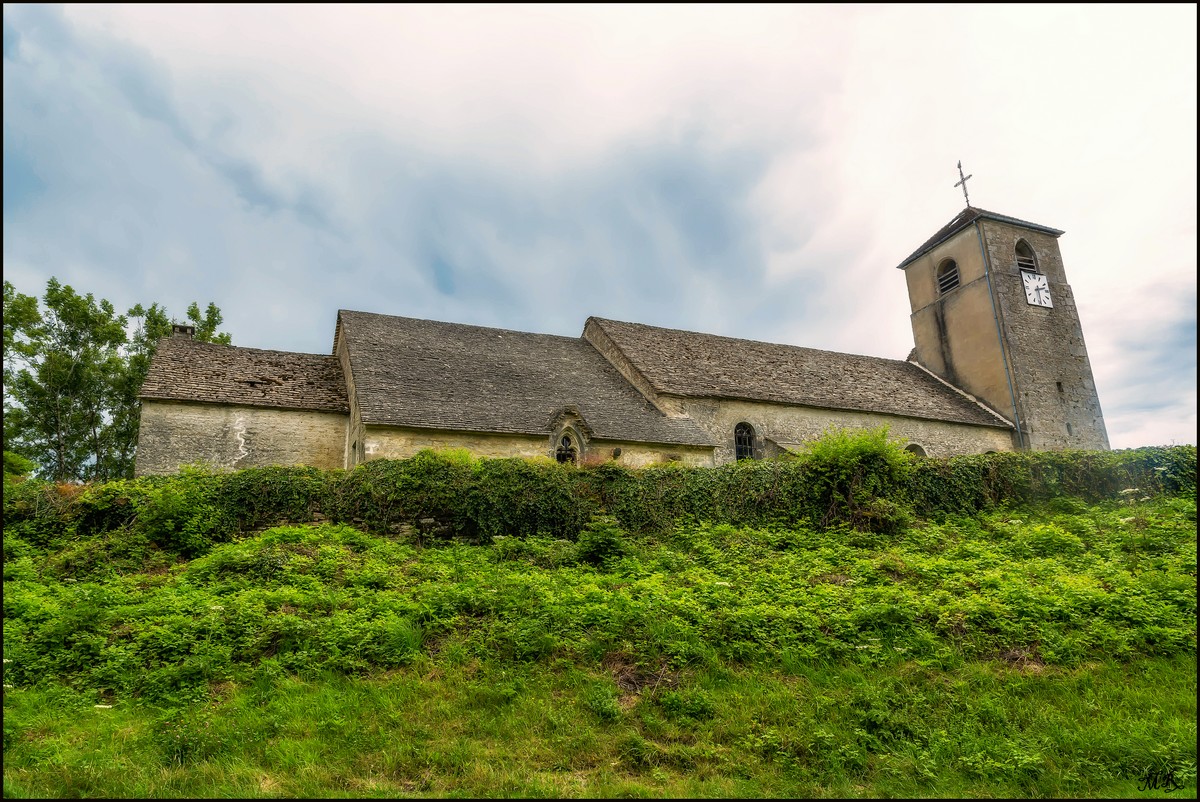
x: 752, y: 171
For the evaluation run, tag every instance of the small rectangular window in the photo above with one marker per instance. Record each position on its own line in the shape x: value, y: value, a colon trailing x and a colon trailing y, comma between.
x: 1059, y: 385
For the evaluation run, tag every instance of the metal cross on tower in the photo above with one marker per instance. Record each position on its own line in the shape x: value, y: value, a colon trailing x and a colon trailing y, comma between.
x: 962, y: 182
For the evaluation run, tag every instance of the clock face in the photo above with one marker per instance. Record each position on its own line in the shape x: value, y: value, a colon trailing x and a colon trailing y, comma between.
x: 1037, y: 289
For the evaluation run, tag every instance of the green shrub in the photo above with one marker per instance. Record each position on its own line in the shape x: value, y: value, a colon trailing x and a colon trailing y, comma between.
x: 262, y: 497
x: 523, y: 498
x: 39, y: 512
x: 858, y: 477
x: 17, y: 466
x: 601, y: 541
x: 854, y: 479
x: 186, y: 513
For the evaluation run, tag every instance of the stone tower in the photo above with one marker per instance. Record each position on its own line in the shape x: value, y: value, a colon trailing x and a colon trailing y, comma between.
x: 993, y: 314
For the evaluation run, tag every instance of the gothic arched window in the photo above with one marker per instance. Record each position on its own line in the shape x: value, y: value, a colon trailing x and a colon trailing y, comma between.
x: 1025, y: 258
x: 566, y: 450
x: 947, y: 276
x: 743, y: 441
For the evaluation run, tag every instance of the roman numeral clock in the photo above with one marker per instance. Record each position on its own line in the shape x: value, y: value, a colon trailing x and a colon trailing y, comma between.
x: 1037, y: 289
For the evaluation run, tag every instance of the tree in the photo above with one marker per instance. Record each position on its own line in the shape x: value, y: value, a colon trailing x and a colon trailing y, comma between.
x: 72, y: 374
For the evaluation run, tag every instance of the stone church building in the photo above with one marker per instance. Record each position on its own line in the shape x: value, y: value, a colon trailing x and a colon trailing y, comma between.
x: 999, y: 364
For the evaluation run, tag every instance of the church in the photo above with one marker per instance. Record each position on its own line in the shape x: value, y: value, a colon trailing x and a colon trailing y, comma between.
x: 999, y: 364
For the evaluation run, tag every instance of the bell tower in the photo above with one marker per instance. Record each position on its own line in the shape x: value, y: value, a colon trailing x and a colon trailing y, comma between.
x: 993, y: 314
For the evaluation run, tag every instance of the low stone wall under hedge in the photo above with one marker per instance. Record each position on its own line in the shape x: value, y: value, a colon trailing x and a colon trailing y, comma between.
x: 855, y: 480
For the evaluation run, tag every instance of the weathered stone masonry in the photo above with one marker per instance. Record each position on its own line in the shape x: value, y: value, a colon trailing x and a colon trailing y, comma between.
x: 175, y: 433
x: 1026, y: 361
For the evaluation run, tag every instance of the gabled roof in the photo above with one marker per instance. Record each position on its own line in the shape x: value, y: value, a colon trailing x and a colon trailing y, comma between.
x: 962, y: 220
x: 184, y: 369
x: 685, y: 363
x: 411, y: 372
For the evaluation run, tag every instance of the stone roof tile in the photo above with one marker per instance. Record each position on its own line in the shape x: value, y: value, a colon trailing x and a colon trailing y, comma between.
x: 412, y: 372
x: 690, y: 364
x: 184, y: 369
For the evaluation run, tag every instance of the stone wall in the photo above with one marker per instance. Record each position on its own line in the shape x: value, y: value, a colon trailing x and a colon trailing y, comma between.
x: 956, y: 334
x: 1052, y: 375
x: 175, y: 433
x: 396, y: 442
x: 790, y: 426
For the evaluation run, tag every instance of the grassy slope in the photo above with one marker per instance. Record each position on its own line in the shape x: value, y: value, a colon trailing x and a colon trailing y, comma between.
x: 1037, y: 652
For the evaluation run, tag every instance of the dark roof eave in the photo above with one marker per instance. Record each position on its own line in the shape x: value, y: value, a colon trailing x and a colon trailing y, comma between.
x: 816, y: 405
x: 532, y: 433
x: 219, y: 403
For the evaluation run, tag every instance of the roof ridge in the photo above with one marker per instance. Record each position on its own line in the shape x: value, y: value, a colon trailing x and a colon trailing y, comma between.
x: 192, y: 343
x: 458, y: 325
x: 602, y: 321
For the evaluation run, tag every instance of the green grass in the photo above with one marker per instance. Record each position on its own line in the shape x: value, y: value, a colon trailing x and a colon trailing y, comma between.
x: 1036, y: 652
x: 482, y: 729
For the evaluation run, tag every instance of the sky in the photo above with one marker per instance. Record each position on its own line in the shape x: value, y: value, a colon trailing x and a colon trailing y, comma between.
x: 751, y: 171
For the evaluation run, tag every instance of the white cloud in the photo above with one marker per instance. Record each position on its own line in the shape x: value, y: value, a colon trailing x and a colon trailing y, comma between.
x: 330, y: 155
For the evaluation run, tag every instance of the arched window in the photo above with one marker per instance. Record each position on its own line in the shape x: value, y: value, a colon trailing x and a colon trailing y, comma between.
x: 566, y: 450
x: 947, y: 276
x: 1025, y: 258
x: 743, y: 441
x: 915, y: 449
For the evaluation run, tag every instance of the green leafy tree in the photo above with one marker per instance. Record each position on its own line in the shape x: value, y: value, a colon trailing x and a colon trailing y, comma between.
x: 72, y: 373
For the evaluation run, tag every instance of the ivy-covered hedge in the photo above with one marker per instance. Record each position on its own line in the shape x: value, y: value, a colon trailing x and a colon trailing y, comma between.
x: 855, y: 480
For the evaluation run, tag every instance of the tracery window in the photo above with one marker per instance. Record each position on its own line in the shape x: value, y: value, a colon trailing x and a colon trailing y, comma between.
x: 566, y: 450
x: 743, y: 441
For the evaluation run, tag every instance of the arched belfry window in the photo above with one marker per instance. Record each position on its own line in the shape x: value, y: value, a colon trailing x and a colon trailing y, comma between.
x: 947, y: 276
x: 567, y: 450
x: 1025, y: 258
x: 743, y: 441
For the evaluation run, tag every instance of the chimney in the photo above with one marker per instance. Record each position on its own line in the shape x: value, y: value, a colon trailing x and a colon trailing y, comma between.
x: 180, y: 330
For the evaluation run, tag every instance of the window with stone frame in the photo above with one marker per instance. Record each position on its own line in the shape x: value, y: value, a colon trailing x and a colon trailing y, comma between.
x: 567, y: 449
x: 743, y: 441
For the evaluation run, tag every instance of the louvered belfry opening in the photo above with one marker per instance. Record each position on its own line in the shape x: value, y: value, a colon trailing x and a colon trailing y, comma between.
x: 1025, y: 257
x: 947, y: 276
